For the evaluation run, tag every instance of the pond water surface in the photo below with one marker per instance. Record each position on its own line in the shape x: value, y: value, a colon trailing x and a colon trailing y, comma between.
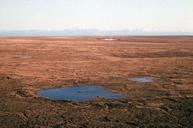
x: 78, y: 93
x: 142, y: 79
x: 109, y: 39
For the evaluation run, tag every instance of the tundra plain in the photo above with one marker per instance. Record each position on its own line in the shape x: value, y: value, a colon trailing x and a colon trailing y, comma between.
x: 29, y: 64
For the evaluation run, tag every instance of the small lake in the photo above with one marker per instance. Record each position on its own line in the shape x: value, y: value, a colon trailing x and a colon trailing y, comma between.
x: 109, y: 39
x: 78, y: 93
x: 142, y: 79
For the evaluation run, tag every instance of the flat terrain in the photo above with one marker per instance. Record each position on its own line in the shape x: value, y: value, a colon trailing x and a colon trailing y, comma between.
x: 28, y: 64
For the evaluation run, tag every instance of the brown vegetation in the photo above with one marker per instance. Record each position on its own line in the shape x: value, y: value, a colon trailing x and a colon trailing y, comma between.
x: 28, y: 64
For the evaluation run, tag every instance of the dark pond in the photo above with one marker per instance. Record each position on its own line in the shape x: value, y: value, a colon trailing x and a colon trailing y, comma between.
x: 142, y: 79
x: 78, y: 93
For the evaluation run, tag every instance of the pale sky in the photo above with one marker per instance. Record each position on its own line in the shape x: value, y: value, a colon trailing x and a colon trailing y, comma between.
x: 156, y: 15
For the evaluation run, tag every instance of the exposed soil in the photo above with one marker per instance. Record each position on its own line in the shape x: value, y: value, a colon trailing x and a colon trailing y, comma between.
x: 28, y: 64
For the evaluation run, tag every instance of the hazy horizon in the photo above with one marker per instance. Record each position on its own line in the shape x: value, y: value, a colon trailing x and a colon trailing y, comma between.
x: 88, y: 32
x: 132, y: 15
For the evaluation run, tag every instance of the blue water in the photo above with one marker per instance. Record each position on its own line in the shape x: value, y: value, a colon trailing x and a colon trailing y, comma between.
x: 142, y: 79
x: 78, y: 93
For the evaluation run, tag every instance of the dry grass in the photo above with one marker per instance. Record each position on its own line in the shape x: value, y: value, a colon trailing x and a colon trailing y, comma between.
x: 28, y: 64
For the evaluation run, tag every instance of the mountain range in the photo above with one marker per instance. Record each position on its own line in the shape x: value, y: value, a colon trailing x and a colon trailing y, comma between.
x: 87, y: 32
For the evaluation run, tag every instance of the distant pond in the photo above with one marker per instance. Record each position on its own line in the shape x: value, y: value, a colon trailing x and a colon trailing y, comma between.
x: 142, y: 79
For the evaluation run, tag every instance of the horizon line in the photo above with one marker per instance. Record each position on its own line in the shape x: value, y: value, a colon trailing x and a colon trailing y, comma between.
x: 91, y: 32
